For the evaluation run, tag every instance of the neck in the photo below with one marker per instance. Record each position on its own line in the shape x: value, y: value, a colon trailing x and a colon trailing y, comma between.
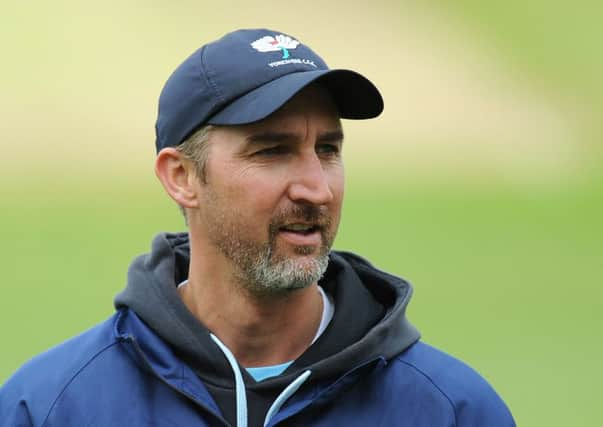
x: 259, y: 330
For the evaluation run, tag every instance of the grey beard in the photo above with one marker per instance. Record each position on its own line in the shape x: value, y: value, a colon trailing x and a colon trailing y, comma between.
x: 266, y: 276
x: 257, y: 268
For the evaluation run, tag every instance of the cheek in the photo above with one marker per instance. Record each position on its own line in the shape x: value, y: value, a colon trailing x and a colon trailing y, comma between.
x: 255, y: 195
x: 337, y: 184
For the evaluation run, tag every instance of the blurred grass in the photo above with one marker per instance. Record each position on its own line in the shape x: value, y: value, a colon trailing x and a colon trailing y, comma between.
x: 558, y: 43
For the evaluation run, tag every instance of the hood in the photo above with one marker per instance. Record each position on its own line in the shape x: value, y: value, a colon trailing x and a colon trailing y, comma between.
x: 369, y: 321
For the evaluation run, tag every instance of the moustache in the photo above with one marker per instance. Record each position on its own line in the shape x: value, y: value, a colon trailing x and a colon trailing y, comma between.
x: 316, y: 216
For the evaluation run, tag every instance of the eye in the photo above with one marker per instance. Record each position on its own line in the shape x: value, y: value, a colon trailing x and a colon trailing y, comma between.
x: 329, y: 149
x: 271, y: 151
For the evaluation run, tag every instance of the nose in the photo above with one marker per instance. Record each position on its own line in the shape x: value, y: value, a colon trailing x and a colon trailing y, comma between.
x: 309, y: 182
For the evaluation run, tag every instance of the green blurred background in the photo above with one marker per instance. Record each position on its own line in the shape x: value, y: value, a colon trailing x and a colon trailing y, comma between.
x: 481, y: 183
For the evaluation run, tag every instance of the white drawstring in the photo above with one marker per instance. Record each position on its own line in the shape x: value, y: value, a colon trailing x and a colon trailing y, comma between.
x: 286, y: 394
x: 240, y: 392
x: 239, y: 384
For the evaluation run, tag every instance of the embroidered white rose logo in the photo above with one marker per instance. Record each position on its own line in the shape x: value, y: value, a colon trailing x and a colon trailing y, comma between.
x: 273, y: 44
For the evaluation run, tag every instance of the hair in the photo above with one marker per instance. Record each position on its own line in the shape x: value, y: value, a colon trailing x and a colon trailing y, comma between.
x: 195, y: 149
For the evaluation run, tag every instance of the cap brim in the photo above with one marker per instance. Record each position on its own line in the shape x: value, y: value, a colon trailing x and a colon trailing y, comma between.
x: 355, y: 96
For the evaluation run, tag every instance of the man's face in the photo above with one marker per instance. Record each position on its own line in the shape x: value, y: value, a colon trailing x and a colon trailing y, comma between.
x: 272, y: 199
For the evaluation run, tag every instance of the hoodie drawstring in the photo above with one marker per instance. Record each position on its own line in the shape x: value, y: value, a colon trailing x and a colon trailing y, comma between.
x: 239, y: 384
x: 286, y: 394
x: 240, y: 392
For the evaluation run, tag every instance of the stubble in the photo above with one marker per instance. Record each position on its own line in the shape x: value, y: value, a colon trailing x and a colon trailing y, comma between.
x: 258, y: 265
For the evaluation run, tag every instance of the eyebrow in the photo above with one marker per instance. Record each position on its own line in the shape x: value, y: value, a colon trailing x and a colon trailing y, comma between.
x: 283, y: 137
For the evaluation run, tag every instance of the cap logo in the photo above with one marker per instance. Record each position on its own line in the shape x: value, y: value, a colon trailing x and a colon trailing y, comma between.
x: 274, y: 44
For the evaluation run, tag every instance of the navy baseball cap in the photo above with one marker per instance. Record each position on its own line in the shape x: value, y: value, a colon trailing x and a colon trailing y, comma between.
x: 247, y: 75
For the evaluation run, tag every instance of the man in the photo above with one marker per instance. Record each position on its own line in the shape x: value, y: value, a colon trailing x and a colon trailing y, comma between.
x: 249, y: 318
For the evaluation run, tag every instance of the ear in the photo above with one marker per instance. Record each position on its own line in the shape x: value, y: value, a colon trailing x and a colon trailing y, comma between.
x: 177, y: 175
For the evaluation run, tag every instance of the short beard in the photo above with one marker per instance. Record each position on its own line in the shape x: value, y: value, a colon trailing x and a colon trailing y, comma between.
x: 258, y: 269
x: 269, y: 276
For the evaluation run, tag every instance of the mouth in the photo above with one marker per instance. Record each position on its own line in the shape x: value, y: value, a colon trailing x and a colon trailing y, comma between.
x: 300, y: 228
x: 302, y: 234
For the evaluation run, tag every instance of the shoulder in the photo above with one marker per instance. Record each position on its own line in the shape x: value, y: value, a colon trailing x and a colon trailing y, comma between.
x: 472, y: 399
x: 32, y: 390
